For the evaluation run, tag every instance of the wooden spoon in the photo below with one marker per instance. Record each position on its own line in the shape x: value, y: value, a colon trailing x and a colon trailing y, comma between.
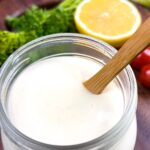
x: 132, y: 47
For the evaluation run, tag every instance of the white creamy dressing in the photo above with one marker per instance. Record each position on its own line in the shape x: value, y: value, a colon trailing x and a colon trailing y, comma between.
x: 49, y: 103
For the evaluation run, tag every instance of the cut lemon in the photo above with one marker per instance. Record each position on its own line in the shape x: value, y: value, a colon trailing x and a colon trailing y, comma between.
x: 113, y: 21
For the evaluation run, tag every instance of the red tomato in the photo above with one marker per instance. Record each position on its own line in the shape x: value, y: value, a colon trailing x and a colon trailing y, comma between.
x: 142, y: 59
x: 144, y: 76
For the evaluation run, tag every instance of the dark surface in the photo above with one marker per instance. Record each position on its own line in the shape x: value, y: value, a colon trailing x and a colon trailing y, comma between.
x: 15, y: 7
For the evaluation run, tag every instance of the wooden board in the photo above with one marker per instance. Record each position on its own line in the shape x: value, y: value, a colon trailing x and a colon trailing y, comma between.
x: 15, y: 7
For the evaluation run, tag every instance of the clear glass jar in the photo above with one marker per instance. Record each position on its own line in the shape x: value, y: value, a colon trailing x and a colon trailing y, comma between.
x: 121, y: 137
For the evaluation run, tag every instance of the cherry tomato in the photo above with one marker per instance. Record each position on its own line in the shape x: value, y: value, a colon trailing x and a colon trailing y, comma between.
x: 144, y: 76
x: 142, y: 59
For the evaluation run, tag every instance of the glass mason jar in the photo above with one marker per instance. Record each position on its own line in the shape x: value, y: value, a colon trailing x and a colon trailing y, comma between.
x: 121, y: 137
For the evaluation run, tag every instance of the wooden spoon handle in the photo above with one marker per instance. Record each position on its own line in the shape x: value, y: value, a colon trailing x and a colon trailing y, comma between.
x: 132, y: 47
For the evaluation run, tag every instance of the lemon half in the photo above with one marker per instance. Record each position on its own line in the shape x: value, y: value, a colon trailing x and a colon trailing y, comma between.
x: 113, y: 21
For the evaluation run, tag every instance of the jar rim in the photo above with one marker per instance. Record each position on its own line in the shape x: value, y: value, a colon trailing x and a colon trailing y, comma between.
x: 101, y: 139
